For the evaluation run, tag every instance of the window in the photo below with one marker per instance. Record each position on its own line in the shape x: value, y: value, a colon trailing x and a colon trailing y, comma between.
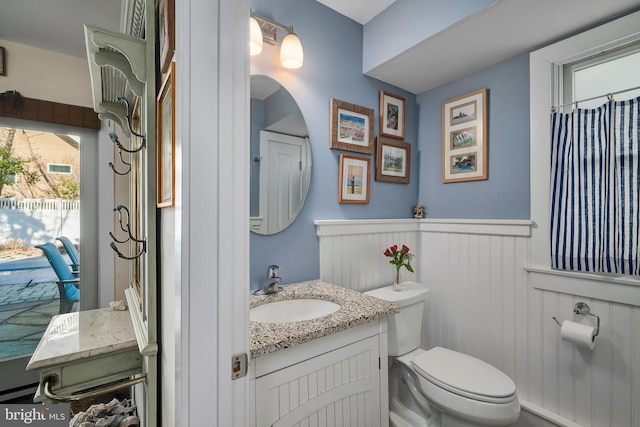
x: 546, y: 67
x: 11, y: 178
x: 604, y: 73
x: 57, y: 168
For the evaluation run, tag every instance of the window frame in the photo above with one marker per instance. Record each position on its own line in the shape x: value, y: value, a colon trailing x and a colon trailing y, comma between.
x: 546, y: 89
x: 569, y: 69
x: 57, y: 172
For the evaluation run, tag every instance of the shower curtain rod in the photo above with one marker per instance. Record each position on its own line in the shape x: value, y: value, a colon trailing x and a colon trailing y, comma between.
x: 608, y: 95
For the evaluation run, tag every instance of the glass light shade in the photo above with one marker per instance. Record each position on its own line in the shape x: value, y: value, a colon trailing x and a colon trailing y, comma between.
x: 255, y: 37
x: 291, y: 55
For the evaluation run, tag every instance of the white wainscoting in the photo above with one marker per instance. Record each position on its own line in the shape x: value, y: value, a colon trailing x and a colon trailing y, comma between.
x: 351, y: 252
x: 483, y: 303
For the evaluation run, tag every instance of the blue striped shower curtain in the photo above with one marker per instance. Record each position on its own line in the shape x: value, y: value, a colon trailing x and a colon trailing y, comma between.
x: 595, y: 189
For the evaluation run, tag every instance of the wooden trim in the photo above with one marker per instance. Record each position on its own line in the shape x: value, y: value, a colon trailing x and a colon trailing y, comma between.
x: 50, y: 112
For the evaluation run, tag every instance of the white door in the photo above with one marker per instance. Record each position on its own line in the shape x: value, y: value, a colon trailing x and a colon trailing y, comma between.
x: 281, y: 179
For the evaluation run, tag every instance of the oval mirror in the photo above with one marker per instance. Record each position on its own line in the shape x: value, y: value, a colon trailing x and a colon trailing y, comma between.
x: 280, y: 157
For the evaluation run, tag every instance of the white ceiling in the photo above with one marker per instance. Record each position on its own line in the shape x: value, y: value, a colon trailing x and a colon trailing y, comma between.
x: 56, y: 25
x: 361, y: 11
x: 505, y: 29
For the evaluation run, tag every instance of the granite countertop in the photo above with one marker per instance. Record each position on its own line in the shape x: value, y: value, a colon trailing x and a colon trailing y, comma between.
x: 356, y: 309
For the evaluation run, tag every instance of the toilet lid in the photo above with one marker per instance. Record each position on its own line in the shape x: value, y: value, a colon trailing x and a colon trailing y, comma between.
x: 465, y: 375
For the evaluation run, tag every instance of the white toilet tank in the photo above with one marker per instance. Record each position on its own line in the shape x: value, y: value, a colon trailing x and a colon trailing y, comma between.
x: 404, y: 328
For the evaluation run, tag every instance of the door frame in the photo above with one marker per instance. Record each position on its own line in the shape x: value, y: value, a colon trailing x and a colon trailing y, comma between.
x: 13, y: 370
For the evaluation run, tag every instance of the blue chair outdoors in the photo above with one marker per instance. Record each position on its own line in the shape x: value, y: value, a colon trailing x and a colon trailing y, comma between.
x: 68, y: 282
x: 73, y: 253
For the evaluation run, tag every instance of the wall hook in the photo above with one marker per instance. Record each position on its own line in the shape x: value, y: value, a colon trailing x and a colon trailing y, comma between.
x: 128, y: 116
x: 114, y: 138
x: 124, y: 226
x: 123, y: 162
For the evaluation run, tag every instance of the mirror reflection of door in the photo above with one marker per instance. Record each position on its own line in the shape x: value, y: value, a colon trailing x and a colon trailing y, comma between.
x: 280, y: 169
x: 283, y: 158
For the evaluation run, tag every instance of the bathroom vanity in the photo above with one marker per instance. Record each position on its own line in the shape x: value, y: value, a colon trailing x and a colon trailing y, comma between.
x: 329, y: 370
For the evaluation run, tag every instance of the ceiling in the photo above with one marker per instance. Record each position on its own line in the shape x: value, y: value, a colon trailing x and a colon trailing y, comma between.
x: 56, y: 25
x: 501, y: 30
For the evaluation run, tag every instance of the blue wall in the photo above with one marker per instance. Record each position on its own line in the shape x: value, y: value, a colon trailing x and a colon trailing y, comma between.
x: 505, y: 195
x: 332, y: 68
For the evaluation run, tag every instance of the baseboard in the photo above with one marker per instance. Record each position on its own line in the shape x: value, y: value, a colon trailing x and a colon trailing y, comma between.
x: 532, y: 415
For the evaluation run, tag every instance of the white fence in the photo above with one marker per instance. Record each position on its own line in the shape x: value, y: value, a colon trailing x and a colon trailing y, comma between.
x: 39, y: 221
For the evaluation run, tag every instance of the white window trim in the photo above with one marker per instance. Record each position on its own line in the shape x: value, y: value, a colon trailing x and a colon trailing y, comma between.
x: 59, y: 164
x: 545, y: 74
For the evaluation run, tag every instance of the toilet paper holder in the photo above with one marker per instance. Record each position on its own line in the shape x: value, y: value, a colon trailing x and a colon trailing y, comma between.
x: 583, y: 308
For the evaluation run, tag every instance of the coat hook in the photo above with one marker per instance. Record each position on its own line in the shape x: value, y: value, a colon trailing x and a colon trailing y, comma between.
x: 123, y: 162
x: 128, y: 116
x: 114, y: 138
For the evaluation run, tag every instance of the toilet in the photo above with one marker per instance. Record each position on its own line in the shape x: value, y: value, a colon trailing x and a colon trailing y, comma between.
x: 439, y: 387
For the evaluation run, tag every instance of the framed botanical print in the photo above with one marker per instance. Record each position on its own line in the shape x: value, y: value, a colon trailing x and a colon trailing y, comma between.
x: 464, y: 137
x: 351, y: 127
x: 393, y: 161
x: 392, y: 109
x: 354, y: 179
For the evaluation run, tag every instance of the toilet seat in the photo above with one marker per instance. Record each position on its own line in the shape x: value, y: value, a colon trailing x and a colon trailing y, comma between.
x: 464, y: 375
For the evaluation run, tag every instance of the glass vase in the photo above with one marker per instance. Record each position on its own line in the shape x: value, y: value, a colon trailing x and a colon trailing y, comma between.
x: 397, y: 286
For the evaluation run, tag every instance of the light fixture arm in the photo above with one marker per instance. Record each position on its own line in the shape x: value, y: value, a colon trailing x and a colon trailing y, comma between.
x: 269, y: 27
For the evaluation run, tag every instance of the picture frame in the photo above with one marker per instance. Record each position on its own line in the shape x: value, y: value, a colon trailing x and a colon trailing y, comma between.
x: 464, y: 138
x: 351, y: 127
x: 355, y: 179
x: 392, y: 111
x: 3, y: 61
x: 393, y: 160
x: 166, y: 137
x: 166, y: 33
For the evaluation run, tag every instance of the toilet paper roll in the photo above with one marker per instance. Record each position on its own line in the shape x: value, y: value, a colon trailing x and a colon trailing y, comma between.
x: 581, y: 335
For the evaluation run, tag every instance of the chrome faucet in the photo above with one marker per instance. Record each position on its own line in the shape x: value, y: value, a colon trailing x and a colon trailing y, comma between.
x: 272, y: 283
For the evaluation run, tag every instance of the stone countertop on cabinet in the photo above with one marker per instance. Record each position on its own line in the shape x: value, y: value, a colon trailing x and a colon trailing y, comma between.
x: 356, y: 309
x: 81, y: 335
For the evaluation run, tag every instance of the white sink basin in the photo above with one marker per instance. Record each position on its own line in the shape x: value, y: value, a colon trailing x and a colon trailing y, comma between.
x: 293, y: 310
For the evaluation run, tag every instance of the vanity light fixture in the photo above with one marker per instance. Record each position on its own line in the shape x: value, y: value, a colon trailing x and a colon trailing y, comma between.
x: 264, y: 29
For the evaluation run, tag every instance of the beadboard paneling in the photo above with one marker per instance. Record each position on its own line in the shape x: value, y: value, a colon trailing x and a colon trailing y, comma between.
x: 351, y: 252
x: 483, y: 303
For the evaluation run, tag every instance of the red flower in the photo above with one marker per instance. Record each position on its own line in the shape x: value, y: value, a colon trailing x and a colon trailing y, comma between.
x: 401, y: 258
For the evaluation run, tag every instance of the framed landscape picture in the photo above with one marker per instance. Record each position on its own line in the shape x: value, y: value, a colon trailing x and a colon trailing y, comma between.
x: 464, y: 137
x: 351, y: 127
x: 354, y: 179
x: 393, y: 161
x: 392, y: 108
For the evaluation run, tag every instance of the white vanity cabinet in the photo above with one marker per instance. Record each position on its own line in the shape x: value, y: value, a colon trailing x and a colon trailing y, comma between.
x: 336, y: 380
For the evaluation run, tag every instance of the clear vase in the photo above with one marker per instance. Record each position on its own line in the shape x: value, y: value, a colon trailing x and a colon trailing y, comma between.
x: 397, y: 286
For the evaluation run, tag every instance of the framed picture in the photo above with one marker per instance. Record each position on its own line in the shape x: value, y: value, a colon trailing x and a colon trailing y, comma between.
x: 351, y: 127
x: 3, y: 61
x: 166, y: 33
x: 354, y: 179
x: 392, y: 109
x: 166, y: 139
x: 464, y: 137
x: 393, y: 160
